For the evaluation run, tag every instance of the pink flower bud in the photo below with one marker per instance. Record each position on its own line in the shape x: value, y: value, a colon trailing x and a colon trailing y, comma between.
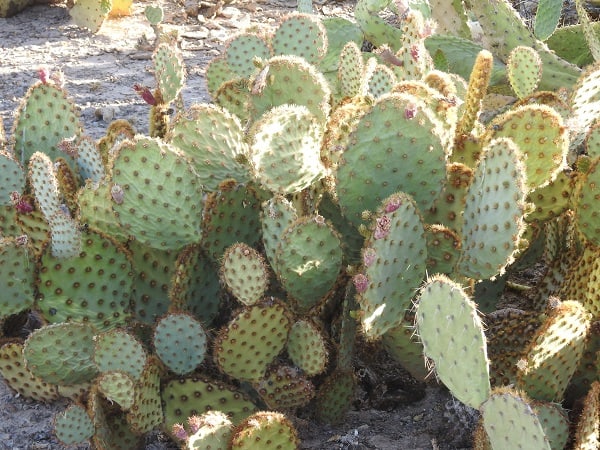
x: 179, y: 432
x: 145, y: 93
x: 382, y: 228
x: 361, y: 282
x: 369, y: 256
x: 44, y: 74
x: 393, y: 204
x: 117, y: 194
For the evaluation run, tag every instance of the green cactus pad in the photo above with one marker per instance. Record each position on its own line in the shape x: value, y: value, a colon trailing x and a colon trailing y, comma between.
x: 44, y: 119
x: 542, y: 138
x: 243, y: 50
x: 547, y: 18
x: 552, y: 356
x: 218, y: 72
x: 378, y: 79
x: 12, y: 178
x: 245, y: 273
x: 154, y: 270
x: 90, y: 14
x: 524, y: 70
x: 394, y: 260
x: 213, y: 140
x: 350, y: 72
x: 443, y: 249
x: 494, y: 210
x: 308, y: 260
x: 16, y: 375
x: 93, y: 287
x: 586, y: 211
x: 73, y: 426
x: 511, y: 422
x: 234, y: 96
x: 394, y: 147
x: 95, y: 211
x: 555, y: 422
x: 45, y: 185
x: 285, y: 388
x: 65, y: 235
x: 452, y: 334
x: 61, y: 353
x: 252, y: 339
x: 551, y: 200
x: 403, y: 346
x: 335, y: 396
x: 89, y: 160
x: 146, y: 412
x: 160, y: 198
x: 195, y: 285
x: 307, y: 347
x: 186, y: 397
x: 180, y: 342
x: 210, y: 430
x: 586, y: 433
x: 291, y: 80
x: 117, y: 387
x: 111, y: 428
x: 169, y: 71
x: 277, y: 214
x: 118, y: 350
x: 35, y: 228
x: 285, y: 149
x: 16, y: 277
x: 273, y: 430
x: 231, y: 215
x: 302, y: 35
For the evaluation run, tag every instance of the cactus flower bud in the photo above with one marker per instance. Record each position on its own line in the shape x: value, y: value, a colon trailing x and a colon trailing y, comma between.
x: 382, y: 229
x: 145, y: 93
x: 179, y: 432
x: 361, y: 282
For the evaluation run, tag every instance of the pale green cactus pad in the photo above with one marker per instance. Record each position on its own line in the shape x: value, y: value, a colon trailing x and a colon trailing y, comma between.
x: 451, y: 330
x: 73, y: 426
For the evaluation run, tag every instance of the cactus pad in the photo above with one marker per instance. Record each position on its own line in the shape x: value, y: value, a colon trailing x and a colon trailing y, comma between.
x: 73, y: 426
x: 16, y: 277
x: 161, y: 201
x: 252, y: 339
x: 245, y: 273
x: 308, y: 260
x: 180, y: 342
x: 307, y: 348
x: 452, y: 334
x: 271, y: 429
x: 285, y: 388
x: 302, y: 35
x: 61, y: 353
x: 118, y: 350
x: 394, y: 261
x: 116, y: 387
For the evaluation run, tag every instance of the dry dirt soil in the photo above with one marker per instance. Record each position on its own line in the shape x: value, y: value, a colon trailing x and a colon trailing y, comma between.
x: 392, y: 411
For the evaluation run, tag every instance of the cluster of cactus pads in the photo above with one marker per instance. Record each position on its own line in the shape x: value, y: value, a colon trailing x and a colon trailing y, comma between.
x: 209, y: 278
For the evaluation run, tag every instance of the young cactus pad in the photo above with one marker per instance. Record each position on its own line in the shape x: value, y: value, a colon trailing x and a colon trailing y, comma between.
x: 451, y: 330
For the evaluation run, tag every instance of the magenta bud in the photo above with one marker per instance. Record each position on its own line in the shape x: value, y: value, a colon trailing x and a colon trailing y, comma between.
x: 369, y: 256
x: 361, y: 282
x: 393, y: 204
x: 410, y: 112
x: 179, y: 432
x: 44, y: 74
x: 145, y: 93
x: 414, y: 53
x: 382, y: 228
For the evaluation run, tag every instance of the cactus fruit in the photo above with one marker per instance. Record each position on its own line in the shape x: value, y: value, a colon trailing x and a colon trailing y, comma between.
x: 262, y: 331
x: 394, y: 259
x: 449, y: 326
x: 45, y: 350
x: 245, y: 273
x: 180, y: 342
x: 73, y: 426
x: 273, y: 430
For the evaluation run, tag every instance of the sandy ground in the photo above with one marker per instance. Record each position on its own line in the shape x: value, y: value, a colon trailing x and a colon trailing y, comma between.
x: 100, y: 71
